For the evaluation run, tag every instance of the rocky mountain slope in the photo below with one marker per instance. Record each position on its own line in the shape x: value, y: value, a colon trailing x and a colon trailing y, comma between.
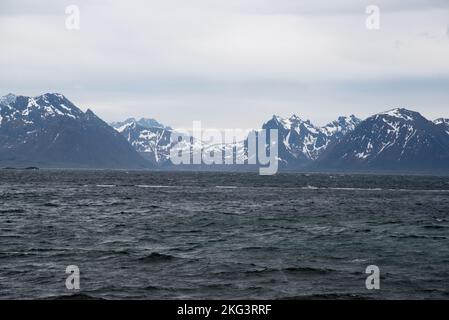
x: 50, y: 131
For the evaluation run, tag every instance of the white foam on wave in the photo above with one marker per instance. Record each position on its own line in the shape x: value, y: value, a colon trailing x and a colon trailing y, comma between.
x: 358, y: 189
x: 153, y: 186
x: 310, y: 187
x: 373, y: 189
x: 226, y: 187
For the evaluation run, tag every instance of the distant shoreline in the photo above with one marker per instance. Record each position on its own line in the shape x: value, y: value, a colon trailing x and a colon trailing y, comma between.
x: 230, y: 171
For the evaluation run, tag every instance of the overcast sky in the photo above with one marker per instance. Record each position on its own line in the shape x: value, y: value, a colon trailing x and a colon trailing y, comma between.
x: 229, y: 63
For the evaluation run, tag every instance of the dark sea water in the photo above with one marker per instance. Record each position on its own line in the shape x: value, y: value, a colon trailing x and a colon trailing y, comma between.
x: 159, y: 235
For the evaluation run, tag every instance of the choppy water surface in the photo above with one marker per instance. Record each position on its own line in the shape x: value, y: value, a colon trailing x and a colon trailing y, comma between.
x: 158, y: 235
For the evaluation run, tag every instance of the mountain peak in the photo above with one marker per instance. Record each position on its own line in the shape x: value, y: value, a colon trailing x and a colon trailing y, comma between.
x: 150, y: 123
x: 352, y: 118
x: 338, y: 128
x: 8, y: 99
x: 401, y: 113
x: 27, y: 109
x: 57, y: 94
x: 280, y: 122
x: 52, y: 95
x: 395, y: 139
x: 147, y: 123
x: 11, y: 98
x: 122, y: 126
x: 294, y: 117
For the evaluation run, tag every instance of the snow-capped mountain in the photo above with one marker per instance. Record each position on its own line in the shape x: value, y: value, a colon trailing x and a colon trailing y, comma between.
x: 395, y: 139
x: 20, y: 110
x: 50, y: 131
x: 301, y: 142
x: 152, y: 140
x: 148, y: 137
x: 335, y: 130
x: 143, y: 122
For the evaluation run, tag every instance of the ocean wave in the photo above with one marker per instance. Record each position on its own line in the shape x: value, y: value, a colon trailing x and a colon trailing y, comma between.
x: 75, y: 296
x: 226, y: 187
x: 156, y: 257
x: 51, y: 205
x: 287, y: 270
x: 153, y: 186
x: 13, y: 210
x: 435, y: 227
x: 326, y: 296
x: 418, y: 236
x: 307, y: 270
x: 372, y: 189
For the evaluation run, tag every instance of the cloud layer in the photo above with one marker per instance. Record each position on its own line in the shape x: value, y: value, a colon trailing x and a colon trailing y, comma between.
x: 229, y: 63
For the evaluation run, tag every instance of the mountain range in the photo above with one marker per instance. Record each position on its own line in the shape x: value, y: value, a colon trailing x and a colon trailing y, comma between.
x: 50, y: 131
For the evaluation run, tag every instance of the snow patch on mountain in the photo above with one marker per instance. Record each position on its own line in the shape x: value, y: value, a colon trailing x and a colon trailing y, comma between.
x: 8, y: 99
x: 443, y: 123
x: 143, y: 122
x: 395, y: 139
x: 401, y: 113
x: 147, y: 136
x: 300, y: 140
x: 28, y: 110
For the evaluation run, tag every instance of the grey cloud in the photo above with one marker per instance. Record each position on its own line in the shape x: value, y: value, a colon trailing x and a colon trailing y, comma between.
x: 323, y: 7
x: 43, y: 7
x: 217, y: 59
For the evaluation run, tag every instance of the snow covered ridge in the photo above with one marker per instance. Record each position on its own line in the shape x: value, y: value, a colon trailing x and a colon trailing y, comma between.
x: 443, y: 123
x: 401, y: 113
x: 143, y: 122
x: 153, y: 141
x: 8, y: 99
x: 28, y: 110
x: 221, y: 147
x: 395, y: 139
x: 300, y: 140
x: 148, y: 137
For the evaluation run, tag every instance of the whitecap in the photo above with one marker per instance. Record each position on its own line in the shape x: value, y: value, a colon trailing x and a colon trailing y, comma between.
x: 226, y: 187
x: 152, y: 186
